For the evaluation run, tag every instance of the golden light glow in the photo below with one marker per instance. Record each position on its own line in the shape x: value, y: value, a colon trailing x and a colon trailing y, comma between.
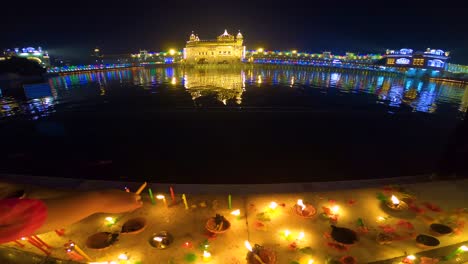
x: 172, y: 52
x: 464, y: 248
x: 259, y: 79
x: 174, y: 80
x: 236, y: 212
x: 294, y: 51
x: 260, y: 50
x: 380, y: 219
x: 206, y: 255
x: 110, y: 220
x: 310, y: 261
x: 160, y: 196
x: 301, y: 235
x: 248, y: 246
x: 411, y: 257
x: 273, y: 205
x: 123, y: 256
x: 301, y: 204
x: 287, y: 233
x: 335, y: 209
x: 395, y: 200
x: 159, y: 239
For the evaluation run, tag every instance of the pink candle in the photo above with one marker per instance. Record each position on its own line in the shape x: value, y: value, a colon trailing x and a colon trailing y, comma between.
x: 172, y: 195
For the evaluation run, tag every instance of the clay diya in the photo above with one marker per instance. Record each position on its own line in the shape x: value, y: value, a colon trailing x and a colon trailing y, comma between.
x: 343, y: 235
x: 217, y: 224
x: 425, y: 241
x: 305, y: 210
x: 440, y: 229
x: 134, y: 226
x: 384, y: 238
x: 101, y: 240
x: 395, y: 204
x: 20, y: 194
x: 261, y: 255
x: 161, y: 240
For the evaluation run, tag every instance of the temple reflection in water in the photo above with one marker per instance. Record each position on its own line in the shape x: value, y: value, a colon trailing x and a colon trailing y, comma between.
x: 224, y: 85
x: 250, y: 87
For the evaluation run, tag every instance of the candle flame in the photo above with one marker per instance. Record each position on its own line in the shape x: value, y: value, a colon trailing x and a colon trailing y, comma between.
x: 310, y: 261
x: 206, y: 254
x: 160, y: 196
x: 301, y: 235
x: 464, y: 248
x: 273, y: 205
x: 411, y: 257
x: 248, y: 246
x: 23, y: 238
x: 335, y: 209
x: 380, y: 219
x: 395, y: 200
x: 287, y: 232
x: 110, y: 220
x: 159, y: 239
x: 236, y: 212
x: 301, y: 204
x: 123, y: 257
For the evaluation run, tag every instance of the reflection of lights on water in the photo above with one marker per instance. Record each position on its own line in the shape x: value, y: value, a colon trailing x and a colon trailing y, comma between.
x: 174, y: 80
x: 259, y: 79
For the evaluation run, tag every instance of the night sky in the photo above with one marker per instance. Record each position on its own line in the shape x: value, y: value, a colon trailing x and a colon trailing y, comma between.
x: 73, y: 28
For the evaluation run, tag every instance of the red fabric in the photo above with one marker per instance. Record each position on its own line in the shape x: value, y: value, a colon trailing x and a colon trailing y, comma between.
x: 20, y: 218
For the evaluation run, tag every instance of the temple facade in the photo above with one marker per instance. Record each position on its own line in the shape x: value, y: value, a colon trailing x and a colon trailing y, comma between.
x: 225, y: 49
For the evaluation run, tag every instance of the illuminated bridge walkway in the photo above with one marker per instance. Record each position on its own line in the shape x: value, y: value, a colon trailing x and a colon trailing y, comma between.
x: 75, y: 68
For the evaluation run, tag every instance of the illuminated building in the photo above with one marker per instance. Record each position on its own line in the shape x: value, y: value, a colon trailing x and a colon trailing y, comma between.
x: 225, y: 49
x: 429, y: 59
x: 30, y: 53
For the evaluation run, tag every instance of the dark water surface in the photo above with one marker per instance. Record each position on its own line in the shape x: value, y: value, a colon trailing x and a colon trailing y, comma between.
x: 243, y: 125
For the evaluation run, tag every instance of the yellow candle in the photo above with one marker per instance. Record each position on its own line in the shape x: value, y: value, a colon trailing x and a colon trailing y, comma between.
x: 141, y: 188
x: 78, y: 249
x: 185, y: 201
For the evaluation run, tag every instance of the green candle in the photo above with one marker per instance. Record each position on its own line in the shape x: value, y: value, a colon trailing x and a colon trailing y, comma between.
x: 456, y: 252
x: 229, y: 202
x: 151, y: 196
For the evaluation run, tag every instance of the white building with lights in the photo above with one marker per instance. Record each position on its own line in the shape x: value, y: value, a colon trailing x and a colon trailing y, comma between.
x: 30, y: 53
x: 434, y: 59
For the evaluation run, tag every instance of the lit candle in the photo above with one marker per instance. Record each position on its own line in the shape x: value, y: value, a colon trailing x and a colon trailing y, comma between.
x: 150, y: 192
x: 206, y: 256
x: 310, y: 261
x: 335, y: 209
x: 172, y: 195
x: 273, y: 205
x: 456, y: 252
x: 249, y: 247
x: 127, y: 189
x: 159, y: 239
x: 301, y: 236
x: 301, y: 204
x: 395, y: 200
x: 141, y: 188
x: 110, y: 220
x: 229, y: 202
x: 123, y: 256
x: 184, y: 199
x: 161, y: 197
x: 286, y: 234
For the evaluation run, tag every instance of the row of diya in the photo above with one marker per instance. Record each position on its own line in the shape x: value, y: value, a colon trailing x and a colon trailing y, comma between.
x: 219, y: 224
x: 344, y: 236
